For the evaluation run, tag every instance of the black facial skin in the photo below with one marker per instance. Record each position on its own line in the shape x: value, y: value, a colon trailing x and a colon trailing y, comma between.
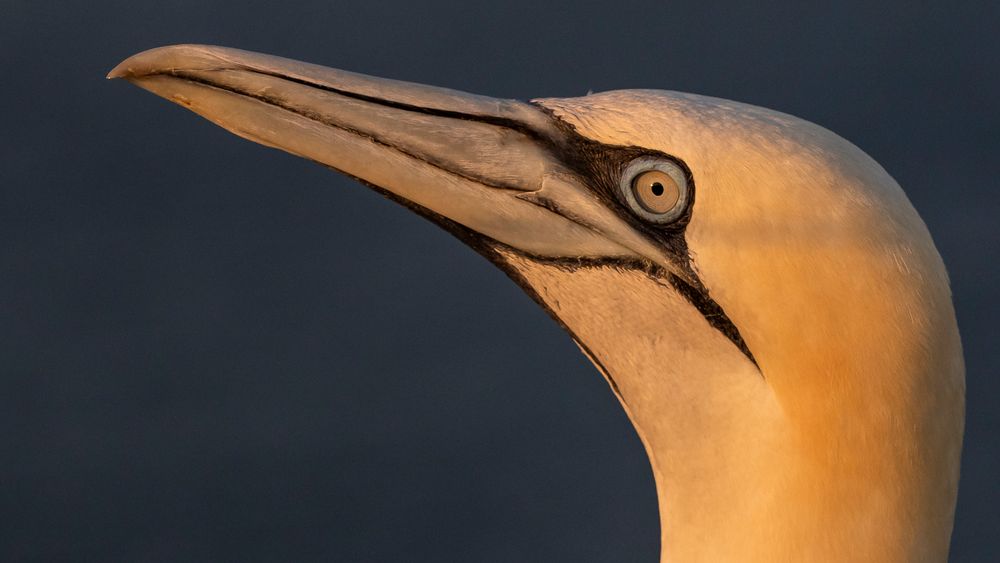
x: 600, y: 168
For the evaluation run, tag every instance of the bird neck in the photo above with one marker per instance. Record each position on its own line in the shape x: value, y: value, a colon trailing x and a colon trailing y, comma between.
x: 737, y: 478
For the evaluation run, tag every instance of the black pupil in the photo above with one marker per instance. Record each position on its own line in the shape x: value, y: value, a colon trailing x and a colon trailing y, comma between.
x: 657, y: 188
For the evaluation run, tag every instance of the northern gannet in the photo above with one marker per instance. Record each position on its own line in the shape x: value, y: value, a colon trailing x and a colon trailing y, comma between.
x: 760, y: 295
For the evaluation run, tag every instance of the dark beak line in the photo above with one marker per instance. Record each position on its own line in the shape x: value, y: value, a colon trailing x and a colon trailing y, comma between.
x: 499, y: 121
x: 272, y: 101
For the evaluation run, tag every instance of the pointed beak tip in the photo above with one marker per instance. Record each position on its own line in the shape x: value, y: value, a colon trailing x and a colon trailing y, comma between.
x: 120, y: 71
x: 159, y: 59
x: 137, y: 65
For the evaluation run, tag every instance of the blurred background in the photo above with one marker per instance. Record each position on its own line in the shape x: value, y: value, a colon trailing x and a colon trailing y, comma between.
x: 213, y: 351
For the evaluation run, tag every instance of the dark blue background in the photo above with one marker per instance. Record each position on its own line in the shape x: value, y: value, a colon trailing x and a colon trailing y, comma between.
x: 212, y: 351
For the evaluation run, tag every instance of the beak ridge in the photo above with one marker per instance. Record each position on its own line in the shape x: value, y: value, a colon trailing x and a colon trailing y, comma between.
x: 188, y: 57
x: 462, y: 156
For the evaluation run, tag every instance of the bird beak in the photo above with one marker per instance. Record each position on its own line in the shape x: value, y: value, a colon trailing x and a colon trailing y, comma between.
x: 494, y: 172
x: 489, y: 165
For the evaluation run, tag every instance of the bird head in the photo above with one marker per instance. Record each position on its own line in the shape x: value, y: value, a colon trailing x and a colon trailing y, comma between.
x: 760, y: 294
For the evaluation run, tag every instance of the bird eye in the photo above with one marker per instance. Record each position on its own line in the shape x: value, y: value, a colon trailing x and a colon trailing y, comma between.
x: 655, y: 189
